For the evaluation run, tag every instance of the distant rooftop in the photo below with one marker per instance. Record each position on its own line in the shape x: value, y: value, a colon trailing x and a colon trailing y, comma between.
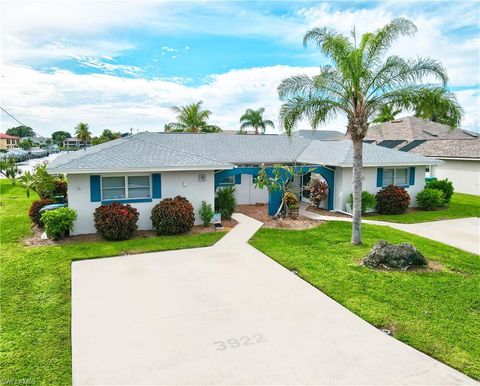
x: 318, y: 134
x: 7, y: 136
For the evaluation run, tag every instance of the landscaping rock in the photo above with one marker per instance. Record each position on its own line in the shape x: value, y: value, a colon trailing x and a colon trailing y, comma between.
x: 386, y: 255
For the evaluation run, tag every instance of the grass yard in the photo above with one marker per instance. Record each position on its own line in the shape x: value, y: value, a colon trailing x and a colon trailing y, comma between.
x: 461, y: 206
x: 437, y: 312
x: 35, y: 291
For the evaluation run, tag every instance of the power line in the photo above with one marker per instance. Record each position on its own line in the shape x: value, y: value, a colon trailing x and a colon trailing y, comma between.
x: 5, y: 111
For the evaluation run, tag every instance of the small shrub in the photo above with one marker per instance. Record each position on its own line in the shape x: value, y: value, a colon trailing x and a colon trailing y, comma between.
x: 206, y: 213
x: 34, y: 211
x: 226, y: 201
x: 318, y: 191
x: 430, y: 199
x: 116, y: 221
x: 392, y: 200
x: 368, y: 201
x: 445, y: 186
x: 172, y: 216
x: 58, y: 222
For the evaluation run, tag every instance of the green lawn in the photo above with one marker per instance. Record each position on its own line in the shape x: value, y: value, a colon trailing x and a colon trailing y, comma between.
x: 437, y: 312
x: 35, y: 292
x: 461, y: 206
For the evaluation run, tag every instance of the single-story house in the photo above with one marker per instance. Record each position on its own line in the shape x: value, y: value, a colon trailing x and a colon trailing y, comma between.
x: 458, y: 148
x: 73, y: 142
x: 144, y: 168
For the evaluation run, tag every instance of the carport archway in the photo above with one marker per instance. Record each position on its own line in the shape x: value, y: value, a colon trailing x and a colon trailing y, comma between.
x: 275, y: 197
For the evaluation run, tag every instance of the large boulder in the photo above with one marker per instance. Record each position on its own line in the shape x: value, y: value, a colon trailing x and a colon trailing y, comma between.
x: 386, y: 255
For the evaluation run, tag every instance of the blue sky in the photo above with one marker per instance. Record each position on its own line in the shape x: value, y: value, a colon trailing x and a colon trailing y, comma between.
x: 122, y: 64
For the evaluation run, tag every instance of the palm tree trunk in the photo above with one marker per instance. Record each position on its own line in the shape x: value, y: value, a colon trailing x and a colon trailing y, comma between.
x: 256, y: 130
x: 357, y: 191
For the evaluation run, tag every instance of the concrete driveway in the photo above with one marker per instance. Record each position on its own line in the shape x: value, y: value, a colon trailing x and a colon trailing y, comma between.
x: 226, y: 314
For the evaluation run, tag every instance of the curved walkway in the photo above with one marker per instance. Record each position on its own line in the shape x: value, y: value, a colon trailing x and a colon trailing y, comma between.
x: 462, y: 233
x: 226, y: 314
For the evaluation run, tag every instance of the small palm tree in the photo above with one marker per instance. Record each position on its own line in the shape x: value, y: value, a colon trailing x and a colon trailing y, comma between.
x: 386, y: 114
x: 438, y: 105
x: 82, y: 132
x: 357, y: 84
x: 191, y: 118
x: 254, y: 118
x: 27, y: 182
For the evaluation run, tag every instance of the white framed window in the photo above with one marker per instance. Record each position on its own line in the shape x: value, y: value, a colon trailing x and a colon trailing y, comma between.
x: 398, y: 177
x: 125, y: 187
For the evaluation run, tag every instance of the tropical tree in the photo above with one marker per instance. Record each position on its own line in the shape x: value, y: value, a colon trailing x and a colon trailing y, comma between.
x: 191, y: 118
x: 27, y: 182
x: 82, y: 132
x: 25, y: 144
x: 254, y: 118
x: 21, y: 131
x: 359, y: 81
x: 437, y: 104
x: 386, y: 114
x: 60, y: 135
x: 10, y: 169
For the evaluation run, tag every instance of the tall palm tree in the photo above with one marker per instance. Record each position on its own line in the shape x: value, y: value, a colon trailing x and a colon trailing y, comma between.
x: 438, y: 105
x: 82, y: 132
x: 191, y: 118
x: 254, y: 118
x: 386, y: 114
x: 359, y: 81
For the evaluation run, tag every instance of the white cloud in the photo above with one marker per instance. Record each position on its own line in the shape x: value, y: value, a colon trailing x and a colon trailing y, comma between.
x: 60, y: 99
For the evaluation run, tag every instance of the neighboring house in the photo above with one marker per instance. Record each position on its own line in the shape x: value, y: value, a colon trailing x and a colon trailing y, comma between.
x: 459, y: 149
x: 144, y: 168
x: 73, y: 142
x: 8, y: 141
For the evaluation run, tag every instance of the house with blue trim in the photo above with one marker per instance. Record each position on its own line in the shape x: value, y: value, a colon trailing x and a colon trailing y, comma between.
x: 144, y: 168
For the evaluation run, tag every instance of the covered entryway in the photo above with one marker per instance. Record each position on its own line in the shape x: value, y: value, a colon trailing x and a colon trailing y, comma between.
x: 248, y: 193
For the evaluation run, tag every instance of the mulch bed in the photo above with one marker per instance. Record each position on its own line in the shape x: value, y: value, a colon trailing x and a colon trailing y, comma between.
x: 260, y: 213
x: 36, y: 240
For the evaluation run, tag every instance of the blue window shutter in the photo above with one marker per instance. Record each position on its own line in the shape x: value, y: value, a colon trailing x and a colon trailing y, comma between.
x: 95, y: 194
x: 412, y: 176
x: 379, y: 177
x: 238, y: 179
x: 156, y: 186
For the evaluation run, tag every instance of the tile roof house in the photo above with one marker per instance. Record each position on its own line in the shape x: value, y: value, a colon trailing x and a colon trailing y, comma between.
x: 144, y: 168
x: 459, y: 149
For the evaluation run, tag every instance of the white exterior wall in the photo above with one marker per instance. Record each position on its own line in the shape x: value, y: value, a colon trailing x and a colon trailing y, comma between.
x: 185, y: 184
x: 465, y: 174
x: 343, y: 184
x: 247, y: 193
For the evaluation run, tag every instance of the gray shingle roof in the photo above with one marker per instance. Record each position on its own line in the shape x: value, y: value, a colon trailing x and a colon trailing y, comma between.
x: 319, y: 134
x: 340, y: 153
x: 133, y: 153
x: 410, y: 128
x: 161, y: 151
x: 450, y: 148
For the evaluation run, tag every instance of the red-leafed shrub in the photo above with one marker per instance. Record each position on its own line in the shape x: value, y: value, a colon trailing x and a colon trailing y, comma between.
x: 116, y: 221
x: 318, y: 191
x: 172, y: 216
x: 392, y: 200
x: 34, y: 211
x: 60, y: 188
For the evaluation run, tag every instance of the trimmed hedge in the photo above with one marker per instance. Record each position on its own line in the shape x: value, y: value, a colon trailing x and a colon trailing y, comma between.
x: 34, y: 211
x: 116, y: 221
x: 392, y: 200
x: 368, y: 201
x: 206, y: 213
x: 172, y: 216
x: 430, y: 199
